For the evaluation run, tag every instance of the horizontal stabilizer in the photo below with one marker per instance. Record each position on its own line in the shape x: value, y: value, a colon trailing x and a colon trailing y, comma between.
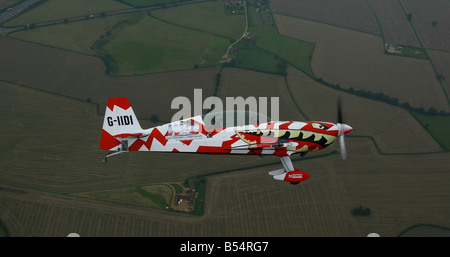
x: 280, y: 176
x: 123, y: 135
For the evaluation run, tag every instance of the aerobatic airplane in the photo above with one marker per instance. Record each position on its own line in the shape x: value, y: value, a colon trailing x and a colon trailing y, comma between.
x: 122, y: 133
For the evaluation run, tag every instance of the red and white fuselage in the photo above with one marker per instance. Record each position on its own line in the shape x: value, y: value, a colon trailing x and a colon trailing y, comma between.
x: 122, y: 133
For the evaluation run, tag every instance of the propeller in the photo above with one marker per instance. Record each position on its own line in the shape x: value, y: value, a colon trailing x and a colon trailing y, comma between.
x: 342, y: 130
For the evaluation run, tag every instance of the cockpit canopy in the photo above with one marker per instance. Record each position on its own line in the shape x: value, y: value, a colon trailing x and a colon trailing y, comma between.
x: 234, y: 118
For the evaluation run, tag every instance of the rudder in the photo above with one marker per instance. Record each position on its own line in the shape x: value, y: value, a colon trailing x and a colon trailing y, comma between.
x: 119, y: 122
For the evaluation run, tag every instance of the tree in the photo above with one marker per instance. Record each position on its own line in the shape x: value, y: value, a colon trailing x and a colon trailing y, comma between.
x: 361, y: 211
x: 281, y: 67
x: 409, y: 16
x: 154, y: 118
x: 405, y: 105
x: 434, y: 23
x: 432, y: 111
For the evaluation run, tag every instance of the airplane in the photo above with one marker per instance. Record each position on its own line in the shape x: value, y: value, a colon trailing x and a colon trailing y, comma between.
x: 122, y: 133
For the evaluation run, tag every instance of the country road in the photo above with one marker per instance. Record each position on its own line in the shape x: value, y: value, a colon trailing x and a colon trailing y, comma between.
x: 243, y: 35
x: 14, y: 11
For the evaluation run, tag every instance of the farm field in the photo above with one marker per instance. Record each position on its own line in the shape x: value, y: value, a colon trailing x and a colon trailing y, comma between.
x: 71, y: 161
x: 153, y: 196
x: 441, y: 61
x: 54, y: 89
x: 437, y: 125
x: 207, y: 17
x: 296, y: 52
x: 355, y: 59
x: 396, y: 28
x: 227, y: 202
x: 249, y: 56
x: 401, y: 191
x: 260, y: 85
x: 60, y: 73
x: 60, y: 9
x: 387, y: 125
x: 145, y: 3
x: 74, y: 36
x: 235, y: 206
x: 163, y: 47
x: 352, y: 14
x: 426, y: 230
x: 271, y: 52
x: 423, y: 15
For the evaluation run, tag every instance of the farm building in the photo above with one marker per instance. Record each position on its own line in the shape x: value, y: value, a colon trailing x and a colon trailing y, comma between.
x: 249, y: 37
x: 188, y: 198
x: 392, y: 48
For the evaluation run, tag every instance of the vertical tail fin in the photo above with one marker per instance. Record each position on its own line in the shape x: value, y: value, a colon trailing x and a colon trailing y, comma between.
x: 119, y: 122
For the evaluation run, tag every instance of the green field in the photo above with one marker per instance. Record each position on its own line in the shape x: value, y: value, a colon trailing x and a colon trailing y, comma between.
x: 252, y: 57
x: 208, y: 17
x: 437, y: 125
x: 296, y: 52
x: 416, y: 52
x: 178, y: 188
x: 74, y: 36
x: 179, y: 38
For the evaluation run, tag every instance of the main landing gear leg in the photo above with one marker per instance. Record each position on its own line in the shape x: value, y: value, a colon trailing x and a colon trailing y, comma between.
x: 104, y: 160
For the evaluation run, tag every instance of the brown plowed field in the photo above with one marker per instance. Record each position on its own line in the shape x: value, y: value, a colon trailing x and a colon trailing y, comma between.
x: 352, y: 14
x: 355, y: 59
x: 423, y: 15
x: 395, y: 26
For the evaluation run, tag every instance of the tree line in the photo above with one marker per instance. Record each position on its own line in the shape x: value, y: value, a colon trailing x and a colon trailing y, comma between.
x: 383, y: 98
